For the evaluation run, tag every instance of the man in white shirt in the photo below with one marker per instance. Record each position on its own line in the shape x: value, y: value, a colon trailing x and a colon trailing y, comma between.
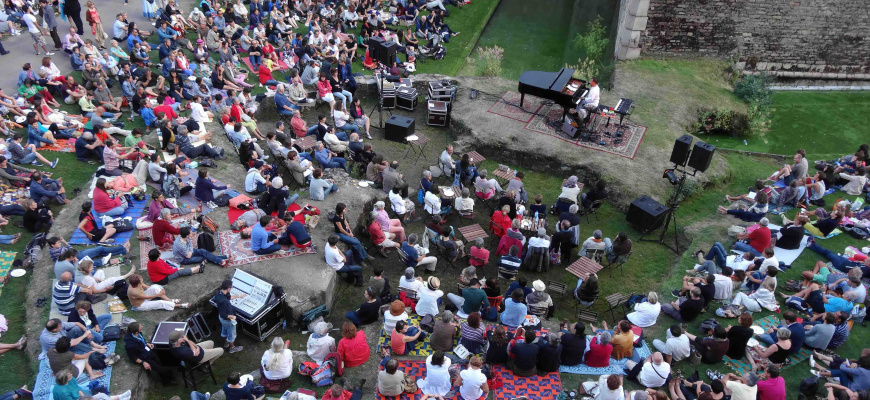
x: 856, y: 181
x: 445, y: 162
x: 36, y: 32
x: 742, y: 388
x: 255, y: 183
x: 591, y: 101
x: 341, y: 262
x: 676, y: 347
x: 651, y: 373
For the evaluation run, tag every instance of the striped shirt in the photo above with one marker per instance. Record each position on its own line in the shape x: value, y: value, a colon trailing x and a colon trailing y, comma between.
x: 64, y: 295
x: 841, y: 332
x: 181, y: 248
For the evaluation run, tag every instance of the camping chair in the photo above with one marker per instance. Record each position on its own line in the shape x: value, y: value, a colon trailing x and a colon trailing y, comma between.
x: 442, y: 252
x: 619, y: 261
x: 561, y: 206
x: 595, y: 255
x: 592, y: 210
x: 467, y: 216
x: 540, y: 312
x: 557, y: 287
x: 614, y: 301
x: 507, y: 274
x: 188, y: 374
x: 495, y: 301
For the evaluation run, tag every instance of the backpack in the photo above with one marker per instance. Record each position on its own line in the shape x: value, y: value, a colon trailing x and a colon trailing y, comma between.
x: 809, y: 388
x: 439, y: 52
x: 708, y: 325
x: 206, y: 242
x: 222, y: 200
x: 97, y: 361
x: 34, y: 249
x: 119, y: 288
x: 207, y: 224
x: 111, y: 333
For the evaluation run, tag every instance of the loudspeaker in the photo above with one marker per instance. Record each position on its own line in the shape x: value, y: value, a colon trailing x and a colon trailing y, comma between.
x: 680, y: 154
x: 646, y: 214
x: 398, y: 128
x: 376, y: 46
x: 702, y: 154
x: 387, y: 55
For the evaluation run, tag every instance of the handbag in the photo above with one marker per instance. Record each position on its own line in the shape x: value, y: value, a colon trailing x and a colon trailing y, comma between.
x: 694, y: 356
x: 410, y: 385
x: 111, y: 333
x: 123, y: 224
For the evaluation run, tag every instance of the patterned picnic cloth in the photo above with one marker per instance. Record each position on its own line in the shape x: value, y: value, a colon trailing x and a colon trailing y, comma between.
x: 6, y: 260
x: 742, y: 366
x: 134, y: 211
x: 615, y: 367
x: 45, y: 379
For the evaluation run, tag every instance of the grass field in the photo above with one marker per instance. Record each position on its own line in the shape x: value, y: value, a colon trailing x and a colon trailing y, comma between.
x: 826, y: 124
x: 539, y: 35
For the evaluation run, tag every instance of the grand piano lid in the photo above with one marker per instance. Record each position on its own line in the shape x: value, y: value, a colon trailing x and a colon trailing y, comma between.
x: 555, y: 81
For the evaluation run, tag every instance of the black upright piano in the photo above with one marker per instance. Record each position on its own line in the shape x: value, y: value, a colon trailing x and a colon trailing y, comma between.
x: 553, y: 86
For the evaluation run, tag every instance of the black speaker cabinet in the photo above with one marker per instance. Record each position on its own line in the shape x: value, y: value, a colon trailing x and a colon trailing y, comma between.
x: 376, y: 46
x: 646, y: 214
x: 680, y: 154
x: 388, y: 53
x: 398, y: 128
x: 702, y: 154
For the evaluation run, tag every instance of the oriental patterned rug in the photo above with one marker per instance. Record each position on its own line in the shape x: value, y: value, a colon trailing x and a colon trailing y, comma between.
x: 509, y: 106
x: 239, y: 250
x: 548, y: 122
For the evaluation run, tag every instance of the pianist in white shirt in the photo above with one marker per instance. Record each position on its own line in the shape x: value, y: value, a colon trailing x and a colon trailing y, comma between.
x: 591, y: 101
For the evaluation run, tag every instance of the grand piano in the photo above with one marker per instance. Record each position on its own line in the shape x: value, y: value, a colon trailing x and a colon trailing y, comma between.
x: 553, y: 86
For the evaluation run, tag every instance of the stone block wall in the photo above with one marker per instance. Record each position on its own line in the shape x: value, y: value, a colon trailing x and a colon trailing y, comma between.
x: 817, y: 36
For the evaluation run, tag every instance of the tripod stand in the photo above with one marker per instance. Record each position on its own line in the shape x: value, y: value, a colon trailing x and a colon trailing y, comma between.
x: 670, y: 216
x: 380, y: 103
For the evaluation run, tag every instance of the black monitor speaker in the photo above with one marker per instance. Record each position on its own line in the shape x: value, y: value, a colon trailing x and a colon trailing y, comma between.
x: 397, y: 128
x: 701, y: 156
x: 680, y: 154
x: 646, y: 214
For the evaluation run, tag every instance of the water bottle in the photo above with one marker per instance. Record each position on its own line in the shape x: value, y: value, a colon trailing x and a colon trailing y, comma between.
x: 536, y: 220
x: 744, y: 142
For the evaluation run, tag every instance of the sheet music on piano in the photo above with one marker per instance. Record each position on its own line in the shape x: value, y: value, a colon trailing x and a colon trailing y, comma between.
x: 257, y: 290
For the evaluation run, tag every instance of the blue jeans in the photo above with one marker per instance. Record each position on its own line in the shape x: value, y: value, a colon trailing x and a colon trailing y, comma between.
x: 271, y: 249
x: 746, y: 215
x: 305, y: 156
x: 350, y: 265
x: 351, y: 315
x: 412, y: 330
x: 345, y: 97
x: 200, y: 255
x: 255, y: 60
x: 359, y: 251
x: 837, y: 261
x: 12, y: 209
x: 194, y: 395
x: 342, y: 135
x: 103, y: 115
x: 84, y: 346
x: 752, y: 286
x: 769, y: 338
x: 336, y: 162
x: 6, y: 239
x: 312, y: 130
x: 98, y: 253
x: 119, y: 210
x: 745, y: 247
x: 228, y: 330
x: 271, y: 82
x: 102, y: 321
x: 348, y: 127
x: 717, y: 253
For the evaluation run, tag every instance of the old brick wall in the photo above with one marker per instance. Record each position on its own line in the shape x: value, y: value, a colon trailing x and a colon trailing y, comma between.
x: 773, y: 35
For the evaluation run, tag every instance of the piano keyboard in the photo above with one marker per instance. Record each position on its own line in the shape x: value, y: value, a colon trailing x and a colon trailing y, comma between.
x: 578, y: 99
x: 623, y: 106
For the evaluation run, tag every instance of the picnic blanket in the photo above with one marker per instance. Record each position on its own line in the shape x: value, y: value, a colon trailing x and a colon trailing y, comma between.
x: 45, y: 379
x: 422, y: 347
x: 780, y: 209
x: 833, y: 233
x: 785, y: 256
x: 615, y: 367
x: 134, y: 211
x: 6, y: 260
x: 247, y: 60
x: 145, y: 247
x: 534, y: 387
x: 187, y: 199
x: 742, y: 366
x: 62, y: 146
x: 239, y: 250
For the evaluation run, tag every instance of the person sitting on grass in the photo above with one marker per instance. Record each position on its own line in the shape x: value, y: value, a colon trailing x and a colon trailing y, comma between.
x: 754, y: 213
x: 651, y: 372
x: 788, y: 173
x: 851, y: 374
x: 97, y: 282
x: 820, y: 333
x: 145, y: 298
x: 263, y: 242
x: 525, y: 354
x: 712, y: 347
x: 88, y: 226
x: 685, y: 309
x: 676, y: 346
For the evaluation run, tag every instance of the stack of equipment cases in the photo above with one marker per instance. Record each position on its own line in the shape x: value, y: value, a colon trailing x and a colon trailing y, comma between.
x: 407, y: 98
x: 437, y: 113
x: 442, y: 91
x: 388, y: 92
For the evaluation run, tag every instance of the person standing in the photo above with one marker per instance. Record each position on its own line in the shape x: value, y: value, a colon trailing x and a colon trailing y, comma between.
x: 226, y: 315
x: 73, y: 10
x: 36, y: 33
x: 50, y: 22
x: 93, y: 18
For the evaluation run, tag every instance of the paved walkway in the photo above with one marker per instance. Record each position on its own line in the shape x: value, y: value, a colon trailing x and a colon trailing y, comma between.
x: 21, y: 47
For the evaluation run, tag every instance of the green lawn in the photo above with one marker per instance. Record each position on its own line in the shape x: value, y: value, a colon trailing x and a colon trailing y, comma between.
x: 826, y: 124
x: 538, y: 35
